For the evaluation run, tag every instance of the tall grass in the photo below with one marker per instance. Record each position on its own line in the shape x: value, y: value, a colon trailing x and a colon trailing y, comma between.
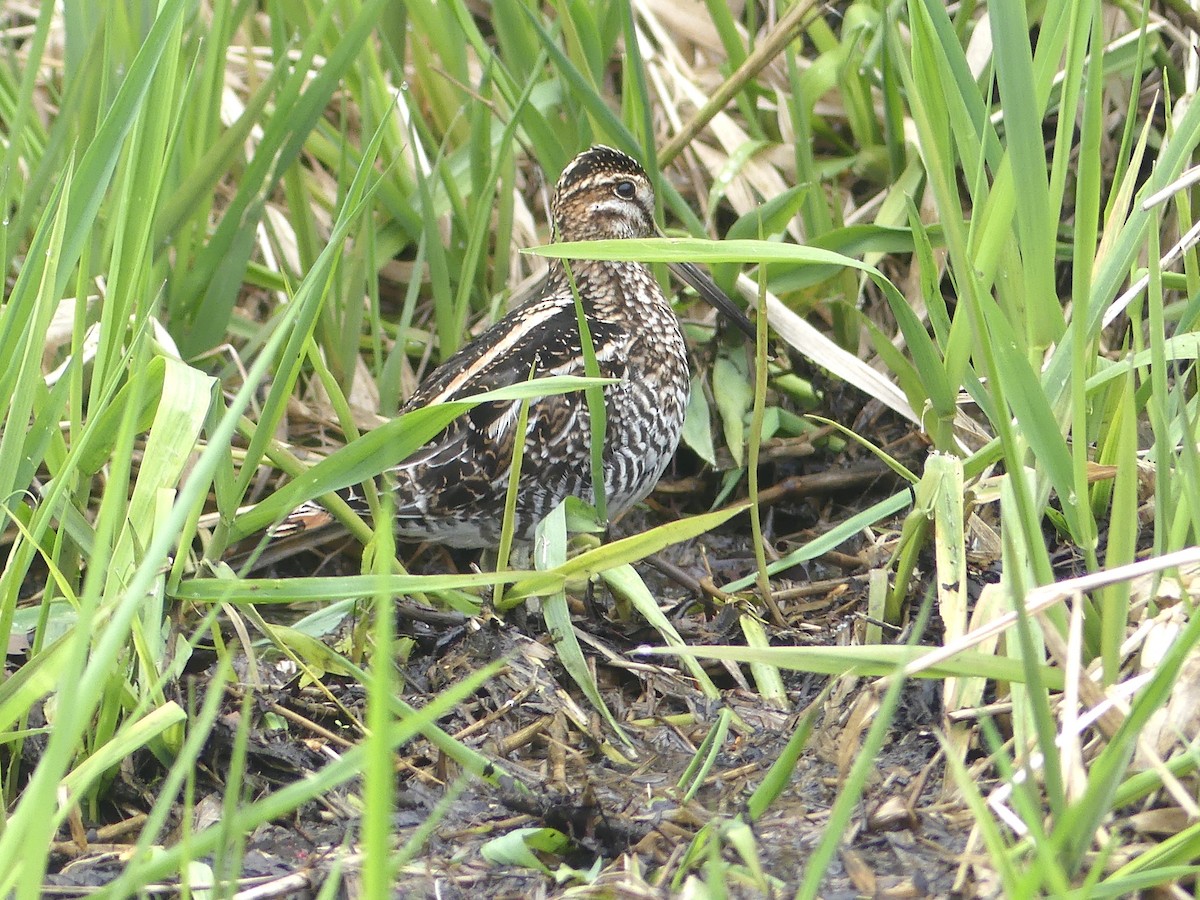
x: 207, y: 206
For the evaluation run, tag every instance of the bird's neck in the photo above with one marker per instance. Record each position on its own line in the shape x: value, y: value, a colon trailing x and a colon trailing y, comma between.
x: 590, y: 269
x: 609, y: 288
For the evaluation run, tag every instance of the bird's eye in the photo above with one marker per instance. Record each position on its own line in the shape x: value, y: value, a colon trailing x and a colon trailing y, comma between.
x: 625, y: 190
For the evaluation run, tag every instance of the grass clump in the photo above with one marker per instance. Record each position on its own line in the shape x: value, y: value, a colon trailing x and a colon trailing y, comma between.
x: 235, y: 238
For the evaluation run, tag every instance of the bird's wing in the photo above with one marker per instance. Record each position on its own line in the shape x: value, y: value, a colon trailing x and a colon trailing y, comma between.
x: 461, y: 465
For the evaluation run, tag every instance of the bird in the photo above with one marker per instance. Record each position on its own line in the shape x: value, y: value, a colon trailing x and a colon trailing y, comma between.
x: 452, y: 490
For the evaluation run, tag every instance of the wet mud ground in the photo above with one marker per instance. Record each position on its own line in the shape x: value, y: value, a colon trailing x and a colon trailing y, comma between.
x: 624, y: 811
x: 906, y: 839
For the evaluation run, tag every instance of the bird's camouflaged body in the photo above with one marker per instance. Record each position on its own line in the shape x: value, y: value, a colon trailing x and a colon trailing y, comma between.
x: 452, y: 490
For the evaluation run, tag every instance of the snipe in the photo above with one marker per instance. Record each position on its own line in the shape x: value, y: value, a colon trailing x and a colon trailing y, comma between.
x: 452, y: 490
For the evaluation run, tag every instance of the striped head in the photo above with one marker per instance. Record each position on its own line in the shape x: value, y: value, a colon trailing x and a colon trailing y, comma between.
x: 603, y: 194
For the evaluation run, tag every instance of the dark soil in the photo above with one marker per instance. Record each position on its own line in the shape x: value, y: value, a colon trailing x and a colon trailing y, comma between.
x: 903, y: 841
x: 620, y: 805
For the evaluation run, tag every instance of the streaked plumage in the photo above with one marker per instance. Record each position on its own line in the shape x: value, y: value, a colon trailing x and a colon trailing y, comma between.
x: 452, y: 490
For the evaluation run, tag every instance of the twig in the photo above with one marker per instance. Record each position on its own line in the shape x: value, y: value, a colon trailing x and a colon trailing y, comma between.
x: 785, y: 29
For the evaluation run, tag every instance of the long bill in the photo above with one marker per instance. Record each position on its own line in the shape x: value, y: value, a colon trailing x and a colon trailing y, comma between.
x: 696, y: 278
